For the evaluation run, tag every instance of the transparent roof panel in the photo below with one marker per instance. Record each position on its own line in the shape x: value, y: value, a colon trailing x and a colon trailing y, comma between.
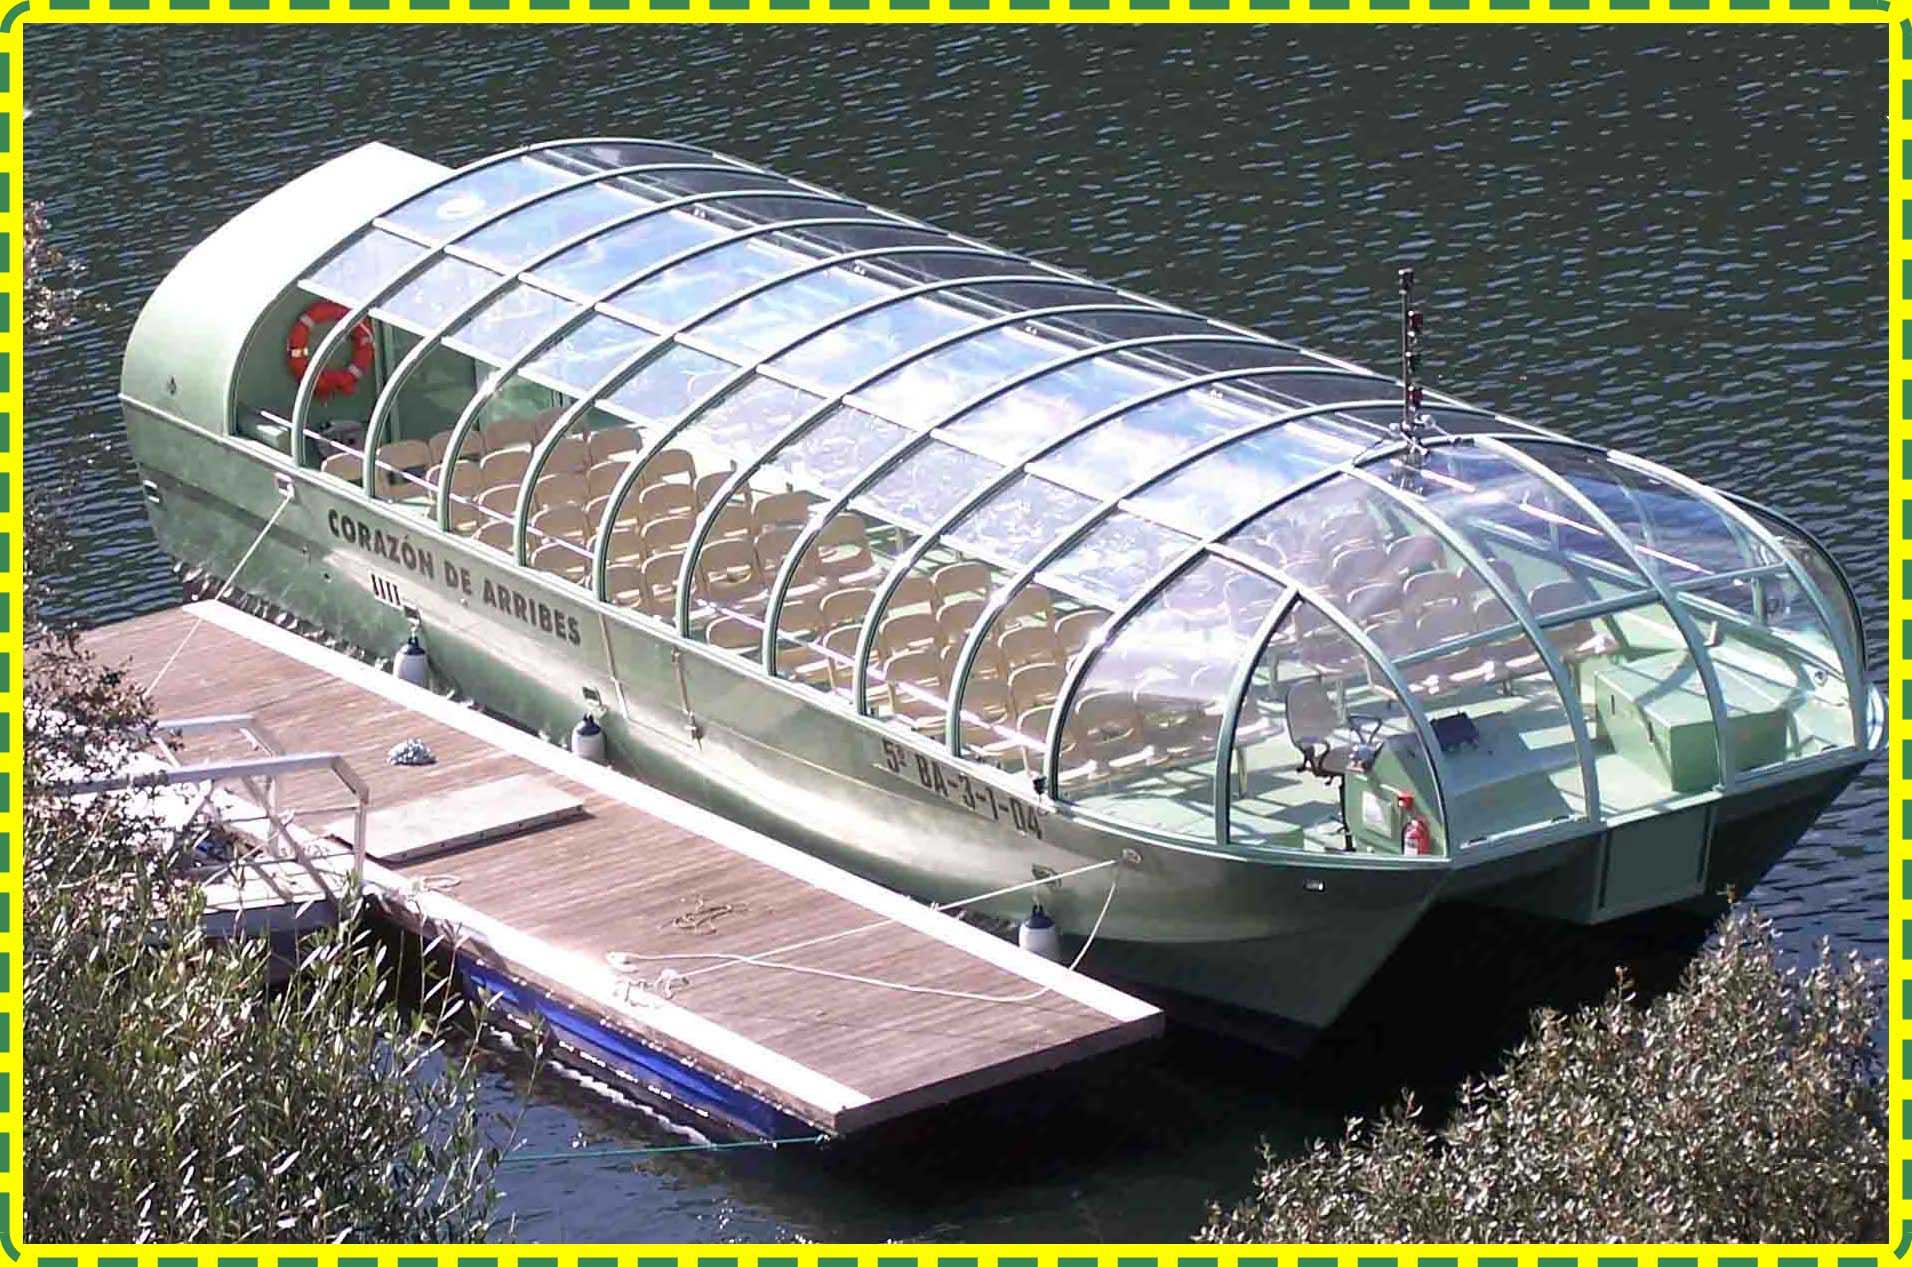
x: 1139, y: 741
x: 510, y: 322
x: 588, y: 352
x: 1682, y: 537
x: 1516, y: 520
x: 789, y: 312
x: 445, y: 289
x: 1043, y: 406
x: 1229, y: 483
x: 598, y: 264
x: 837, y: 358
x: 698, y: 285
x: 747, y: 421
x: 1140, y: 442
x: 1115, y: 559
x: 928, y: 484
x: 834, y: 451
x: 444, y: 211
x: 522, y: 235
x: 664, y: 388
x: 1018, y: 521
x: 370, y: 260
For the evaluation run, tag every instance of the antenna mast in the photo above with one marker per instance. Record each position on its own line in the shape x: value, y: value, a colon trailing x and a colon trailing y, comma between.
x: 1414, y: 423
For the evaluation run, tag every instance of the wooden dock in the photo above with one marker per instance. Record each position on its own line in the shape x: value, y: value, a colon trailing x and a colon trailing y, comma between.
x: 590, y: 913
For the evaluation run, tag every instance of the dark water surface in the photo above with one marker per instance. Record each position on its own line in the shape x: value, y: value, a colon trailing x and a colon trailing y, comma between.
x: 1668, y: 240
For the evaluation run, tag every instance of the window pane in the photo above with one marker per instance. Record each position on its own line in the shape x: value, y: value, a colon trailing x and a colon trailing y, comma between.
x: 838, y: 357
x: 1017, y: 523
x: 370, y: 260
x: 1326, y: 758
x: 699, y: 285
x: 927, y: 390
x: 1043, y: 407
x: 790, y: 310
x: 1224, y: 486
x: 1140, y: 738
x: 523, y: 234
x: 928, y: 484
x: 670, y: 385
x: 440, y: 214
x: 445, y: 289
x: 834, y: 452
x: 596, y: 265
x: 746, y: 422
x: 1117, y: 557
x: 582, y: 358
x: 511, y: 322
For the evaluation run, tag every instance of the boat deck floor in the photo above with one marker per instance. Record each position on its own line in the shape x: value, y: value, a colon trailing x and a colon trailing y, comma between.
x: 595, y: 910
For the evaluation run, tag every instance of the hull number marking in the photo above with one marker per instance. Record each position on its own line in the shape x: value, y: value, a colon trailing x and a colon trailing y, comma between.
x: 957, y: 788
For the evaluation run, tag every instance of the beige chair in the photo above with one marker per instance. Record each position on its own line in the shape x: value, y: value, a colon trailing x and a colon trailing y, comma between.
x: 504, y: 466
x: 1030, y: 606
x: 912, y: 592
x: 624, y: 584
x: 729, y: 577
x: 510, y: 433
x: 668, y: 465
x: 839, y: 651
x: 565, y: 489
x: 780, y: 508
x: 661, y: 501
x: 732, y: 522
x: 660, y: 583
x: 955, y: 619
x: 571, y: 455
x: 496, y: 534
x: 1426, y: 590
x: 914, y: 687
x: 1028, y: 644
x: 560, y: 559
x: 956, y: 580
x: 613, y: 444
x: 627, y: 545
x: 402, y: 467
x: 908, y: 632
x: 343, y: 466
x: 846, y: 606
x: 601, y: 480
x: 1034, y: 686
x: 773, y: 544
x: 730, y: 633
x: 708, y: 486
x: 843, y: 552
x: 501, y: 500
x: 561, y: 523
x: 661, y: 535
x: 440, y: 442
x: 1077, y: 629
x: 1420, y: 552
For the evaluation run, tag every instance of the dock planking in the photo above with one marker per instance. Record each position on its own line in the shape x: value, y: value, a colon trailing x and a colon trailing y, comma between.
x: 919, y: 1008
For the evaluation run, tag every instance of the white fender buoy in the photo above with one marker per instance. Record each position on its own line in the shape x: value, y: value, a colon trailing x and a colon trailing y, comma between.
x: 410, y: 663
x: 587, y: 740
x: 1038, y: 935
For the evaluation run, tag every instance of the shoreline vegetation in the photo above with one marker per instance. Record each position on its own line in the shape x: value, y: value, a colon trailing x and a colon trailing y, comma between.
x: 168, y: 1094
x: 1747, y: 1105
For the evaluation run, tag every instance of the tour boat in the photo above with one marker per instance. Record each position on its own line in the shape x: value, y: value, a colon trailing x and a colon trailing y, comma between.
x: 963, y: 571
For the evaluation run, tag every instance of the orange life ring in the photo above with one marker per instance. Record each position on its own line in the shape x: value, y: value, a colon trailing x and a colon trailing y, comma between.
x: 338, y: 381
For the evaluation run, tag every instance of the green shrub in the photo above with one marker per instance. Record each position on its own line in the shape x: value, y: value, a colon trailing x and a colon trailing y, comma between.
x: 1747, y: 1105
x: 168, y: 1094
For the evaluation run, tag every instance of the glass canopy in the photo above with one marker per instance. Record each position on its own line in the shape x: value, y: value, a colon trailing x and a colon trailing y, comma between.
x: 1184, y: 577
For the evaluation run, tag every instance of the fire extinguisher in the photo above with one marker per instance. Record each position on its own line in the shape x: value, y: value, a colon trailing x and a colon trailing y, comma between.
x: 1416, y: 836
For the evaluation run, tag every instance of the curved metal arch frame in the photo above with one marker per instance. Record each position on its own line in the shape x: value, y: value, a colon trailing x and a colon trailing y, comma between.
x: 797, y: 429
x: 1082, y: 527
x: 400, y: 374
x: 915, y: 443
x: 743, y: 375
x: 1855, y: 674
x: 492, y: 160
x: 595, y: 307
x: 1236, y: 698
x: 1812, y: 540
x: 934, y: 534
x: 1669, y: 598
x: 1212, y: 545
x: 541, y: 454
x: 1516, y: 604
x: 308, y: 383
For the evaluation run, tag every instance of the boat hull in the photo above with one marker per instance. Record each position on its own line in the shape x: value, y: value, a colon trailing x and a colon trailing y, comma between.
x: 1292, y: 936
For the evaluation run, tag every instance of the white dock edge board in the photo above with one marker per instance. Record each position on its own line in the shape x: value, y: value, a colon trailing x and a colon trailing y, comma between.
x: 430, y: 825
x: 754, y: 845
x: 605, y: 987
